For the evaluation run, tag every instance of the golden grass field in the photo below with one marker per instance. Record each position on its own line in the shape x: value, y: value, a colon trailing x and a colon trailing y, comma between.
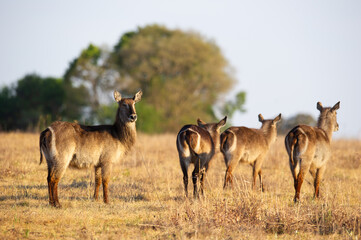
x: 147, y: 199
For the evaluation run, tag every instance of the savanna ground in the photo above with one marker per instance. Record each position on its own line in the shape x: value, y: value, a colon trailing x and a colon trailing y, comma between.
x: 147, y: 200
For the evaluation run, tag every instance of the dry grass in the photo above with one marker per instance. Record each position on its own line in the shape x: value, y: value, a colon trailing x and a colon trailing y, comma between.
x: 147, y: 197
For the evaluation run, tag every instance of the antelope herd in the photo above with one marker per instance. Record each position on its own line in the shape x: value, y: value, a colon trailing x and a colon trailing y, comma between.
x: 67, y: 144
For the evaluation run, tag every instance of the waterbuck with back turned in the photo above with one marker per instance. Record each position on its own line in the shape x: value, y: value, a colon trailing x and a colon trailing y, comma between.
x: 309, y: 148
x: 248, y: 145
x: 70, y: 144
x: 197, y: 145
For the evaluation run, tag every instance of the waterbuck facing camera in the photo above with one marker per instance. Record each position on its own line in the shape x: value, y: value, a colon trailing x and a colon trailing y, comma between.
x: 67, y: 144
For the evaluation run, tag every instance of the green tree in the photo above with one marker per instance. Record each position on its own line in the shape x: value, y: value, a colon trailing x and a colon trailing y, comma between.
x: 182, y: 74
x: 34, y: 102
x: 76, y: 96
x: 91, y: 71
x: 8, y: 109
x: 230, y: 107
x: 287, y: 124
x: 38, y: 99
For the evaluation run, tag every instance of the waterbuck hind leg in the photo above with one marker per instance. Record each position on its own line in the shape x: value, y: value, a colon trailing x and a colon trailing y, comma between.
x: 185, y: 183
x: 203, y: 176
x: 50, y: 187
x: 54, y: 175
x: 55, y: 193
x: 260, y: 180
x: 195, y: 175
x: 185, y: 175
x: 295, y: 183
x: 300, y: 178
x: 228, y: 178
x: 98, y: 181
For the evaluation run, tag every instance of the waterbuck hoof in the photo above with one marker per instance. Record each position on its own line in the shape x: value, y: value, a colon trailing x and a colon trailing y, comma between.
x: 57, y: 205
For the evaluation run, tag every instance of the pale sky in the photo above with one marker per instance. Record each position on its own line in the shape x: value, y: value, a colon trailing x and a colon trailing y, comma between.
x: 287, y: 54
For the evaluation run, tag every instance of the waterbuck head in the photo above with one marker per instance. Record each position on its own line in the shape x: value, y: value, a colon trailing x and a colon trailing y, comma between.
x: 213, y: 129
x: 328, y: 117
x: 269, y: 126
x: 126, y: 107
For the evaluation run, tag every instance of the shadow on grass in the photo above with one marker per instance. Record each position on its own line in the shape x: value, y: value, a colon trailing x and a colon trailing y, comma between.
x: 123, y: 192
x: 22, y: 192
x: 132, y: 198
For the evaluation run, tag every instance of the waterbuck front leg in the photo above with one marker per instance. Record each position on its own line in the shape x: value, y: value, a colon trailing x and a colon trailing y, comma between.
x: 106, y: 172
x: 98, y: 181
x: 257, y: 171
x: 258, y: 166
x: 318, y: 178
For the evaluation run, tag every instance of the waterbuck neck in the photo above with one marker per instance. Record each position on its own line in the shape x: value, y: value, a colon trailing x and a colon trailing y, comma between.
x: 326, y: 124
x: 215, y: 138
x: 269, y: 131
x: 126, y: 132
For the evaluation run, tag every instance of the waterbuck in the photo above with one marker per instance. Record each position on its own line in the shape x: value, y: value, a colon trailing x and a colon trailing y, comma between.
x: 309, y: 148
x: 248, y: 145
x: 197, y: 145
x: 70, y: 144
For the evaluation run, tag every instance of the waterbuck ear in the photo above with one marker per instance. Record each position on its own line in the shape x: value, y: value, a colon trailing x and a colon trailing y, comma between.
x: 138, y: 96
x: 222, y: 122
x: 117, y: 96
x: 260, y: 118
x: 277, y: 119
x: 200, y: 122
x: 319, y: 106
x: 336, y: 107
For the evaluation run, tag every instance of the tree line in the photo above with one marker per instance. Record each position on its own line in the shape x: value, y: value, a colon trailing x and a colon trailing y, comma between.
x: 183, y: 76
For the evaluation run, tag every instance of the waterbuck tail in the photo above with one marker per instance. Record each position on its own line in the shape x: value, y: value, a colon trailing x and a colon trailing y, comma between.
x: 224, y: 139
x: 296, y: 143
x: 227, y: 141
x: 42, y: 143
x: 292, y: 152
x: 192, y: 139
